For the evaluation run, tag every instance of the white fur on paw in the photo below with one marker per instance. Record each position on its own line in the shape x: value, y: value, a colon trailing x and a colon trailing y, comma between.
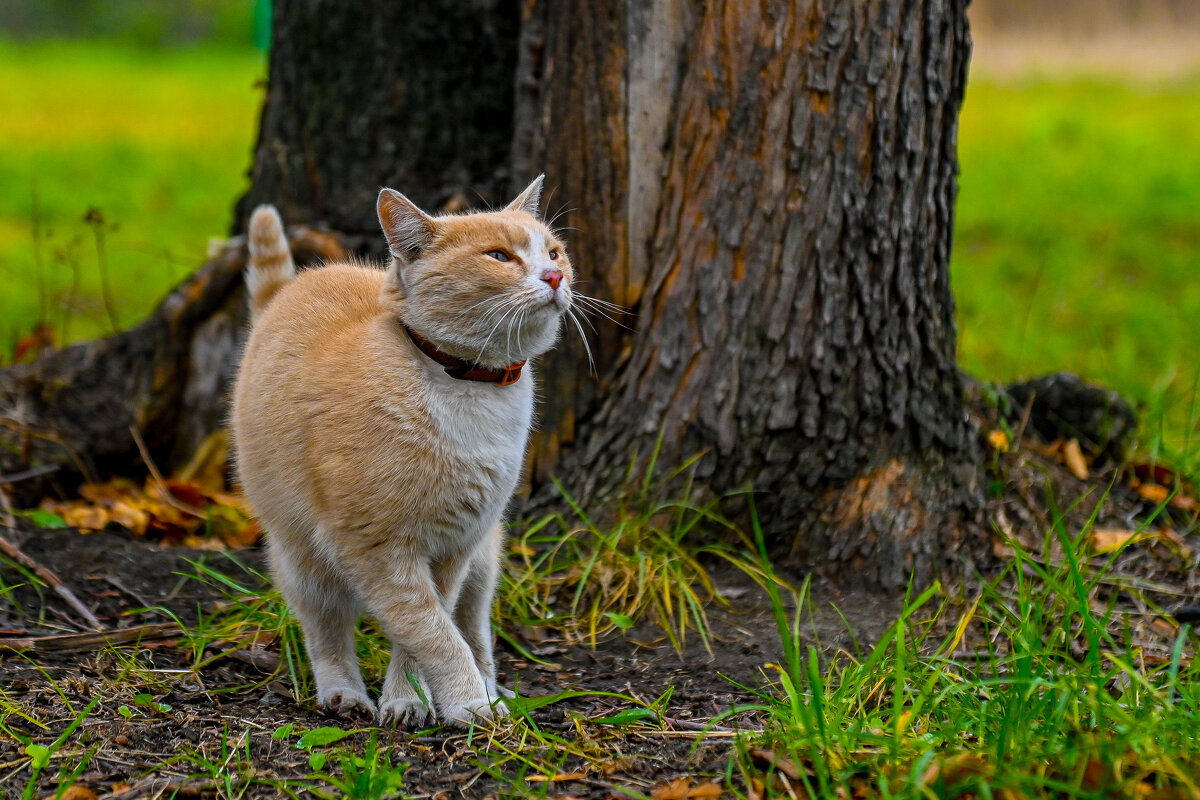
x: 405, y: 712
x: 481, y: 709
x: 505, y: 692
x: 348, y: 703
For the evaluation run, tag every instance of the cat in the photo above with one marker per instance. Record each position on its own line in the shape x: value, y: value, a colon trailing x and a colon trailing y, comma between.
x: 380, y: 421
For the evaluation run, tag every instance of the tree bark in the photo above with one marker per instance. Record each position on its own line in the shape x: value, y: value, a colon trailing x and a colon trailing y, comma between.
x: 416, y: 96
x: 771, y: 187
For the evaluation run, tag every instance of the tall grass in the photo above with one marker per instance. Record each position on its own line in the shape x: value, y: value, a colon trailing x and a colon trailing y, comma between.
x: 1035, y: 687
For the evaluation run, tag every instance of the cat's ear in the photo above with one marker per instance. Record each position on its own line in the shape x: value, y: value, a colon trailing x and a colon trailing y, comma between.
x: 408, y: 229
x: 527, y: 200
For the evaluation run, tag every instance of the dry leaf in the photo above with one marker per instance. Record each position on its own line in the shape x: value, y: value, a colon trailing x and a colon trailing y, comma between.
x: 1108, y: 540
x: 998, y: 440
x: 682, y: 789
x: 1185, y: 503
x: 769, y: 758
x: 78, y: 793
x: 1045, y: 450
x: 955, y: 769
x: 1154, y: 492
x: 1163, y: 626
x: 1073, y: 458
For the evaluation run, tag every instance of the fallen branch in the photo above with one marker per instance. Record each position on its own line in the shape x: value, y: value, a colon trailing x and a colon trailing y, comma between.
x: 76, y: 642
x: 17, y: 555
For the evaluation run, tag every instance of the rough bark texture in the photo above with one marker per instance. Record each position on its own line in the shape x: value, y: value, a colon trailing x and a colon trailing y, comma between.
x: 771, y: 187
x: 415, y: 96
x: 71, y: 411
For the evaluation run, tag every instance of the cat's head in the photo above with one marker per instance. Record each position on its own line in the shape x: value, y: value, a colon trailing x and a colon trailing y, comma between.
x: 490, y: 287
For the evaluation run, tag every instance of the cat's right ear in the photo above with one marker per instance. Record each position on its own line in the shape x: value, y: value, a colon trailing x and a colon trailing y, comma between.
x: 408, y: 229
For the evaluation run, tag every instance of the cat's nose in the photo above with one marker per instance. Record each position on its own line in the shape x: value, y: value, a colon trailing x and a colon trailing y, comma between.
x: 553, y: 277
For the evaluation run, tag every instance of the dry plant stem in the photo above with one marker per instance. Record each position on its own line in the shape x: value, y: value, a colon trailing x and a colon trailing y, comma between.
x: 169, y: 498
x: 79, y: 642
x: 16, y: 554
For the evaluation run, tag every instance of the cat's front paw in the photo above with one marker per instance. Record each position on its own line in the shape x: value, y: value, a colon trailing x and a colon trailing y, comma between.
x: 481, y: 709
x: 408, y: 713
x: 348, y: 703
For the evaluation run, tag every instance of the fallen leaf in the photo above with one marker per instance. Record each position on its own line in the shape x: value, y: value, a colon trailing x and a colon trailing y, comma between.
x: 1154, y: 492
x: 682, y: 789
x: 998, y: 440
x: 1050, y: 450
x: 954, y: 770
x: 1073, y: 458
x: 1185, y: 503
x: 78, y: 793
x: 770, y: 759
x: 1165, y: 627
x: 1109, y: 540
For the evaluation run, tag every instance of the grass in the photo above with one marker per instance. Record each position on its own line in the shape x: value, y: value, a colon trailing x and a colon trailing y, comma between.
x: 1036, y: 688
x: 583, y: 581
x: 117, y: 154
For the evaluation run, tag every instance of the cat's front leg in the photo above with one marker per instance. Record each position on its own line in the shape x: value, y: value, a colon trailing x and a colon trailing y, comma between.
x: 406, y: 700
x: 407, y: 604
x: 473, y: 612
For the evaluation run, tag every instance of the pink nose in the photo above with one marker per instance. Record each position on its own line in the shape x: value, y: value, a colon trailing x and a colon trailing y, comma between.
x: 553, y: 277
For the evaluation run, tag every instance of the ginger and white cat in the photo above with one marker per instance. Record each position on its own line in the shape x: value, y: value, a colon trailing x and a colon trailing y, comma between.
x: 380, y: 421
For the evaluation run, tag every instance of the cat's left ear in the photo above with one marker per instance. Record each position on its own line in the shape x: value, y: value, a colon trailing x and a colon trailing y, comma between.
x: 408, y: 229
x: 527, y: 200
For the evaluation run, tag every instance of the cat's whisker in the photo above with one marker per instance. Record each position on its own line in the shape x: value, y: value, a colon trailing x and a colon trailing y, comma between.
x: 589, y: 308
x: 511, y: 306
x: 586, y: 347
x: 564, y: 210
x: 604, y: 303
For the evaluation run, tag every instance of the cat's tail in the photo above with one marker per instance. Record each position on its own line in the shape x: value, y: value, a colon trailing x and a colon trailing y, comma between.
x: 270, y: 265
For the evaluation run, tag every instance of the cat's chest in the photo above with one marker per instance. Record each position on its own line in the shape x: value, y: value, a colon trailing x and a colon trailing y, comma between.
x: 483, y: 425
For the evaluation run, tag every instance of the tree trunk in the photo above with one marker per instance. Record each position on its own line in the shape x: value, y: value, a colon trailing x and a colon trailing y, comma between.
x: 770, y: 186
x: 370, y: 94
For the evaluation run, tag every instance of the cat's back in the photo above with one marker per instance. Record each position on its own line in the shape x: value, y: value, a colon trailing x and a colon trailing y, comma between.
x: 320, y: 304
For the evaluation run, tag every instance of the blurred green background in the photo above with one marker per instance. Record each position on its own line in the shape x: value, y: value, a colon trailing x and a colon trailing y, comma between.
x: 1078, y: 228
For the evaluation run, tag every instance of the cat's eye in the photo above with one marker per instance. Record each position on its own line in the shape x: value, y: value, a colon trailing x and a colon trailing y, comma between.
x: 499, y: 255
x: 554, y: 255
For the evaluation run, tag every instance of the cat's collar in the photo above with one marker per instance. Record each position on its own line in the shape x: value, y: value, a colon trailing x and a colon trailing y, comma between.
x: 465, y: 370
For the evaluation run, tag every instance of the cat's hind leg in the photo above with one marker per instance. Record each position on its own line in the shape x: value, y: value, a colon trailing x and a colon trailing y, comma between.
x: 328, y: 612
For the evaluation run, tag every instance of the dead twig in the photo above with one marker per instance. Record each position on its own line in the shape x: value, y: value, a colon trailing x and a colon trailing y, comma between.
x: 159, y: 481
x: 76, y: 642
x: 17, y: 555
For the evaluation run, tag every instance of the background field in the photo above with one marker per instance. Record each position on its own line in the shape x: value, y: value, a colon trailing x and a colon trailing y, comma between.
x: 1076, y: 244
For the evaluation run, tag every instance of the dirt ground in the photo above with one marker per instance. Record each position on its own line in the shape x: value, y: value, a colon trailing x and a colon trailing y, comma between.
x: 120, y: 576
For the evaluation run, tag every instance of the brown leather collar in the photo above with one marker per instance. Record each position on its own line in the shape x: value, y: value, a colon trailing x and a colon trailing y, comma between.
x: 466, y: 370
